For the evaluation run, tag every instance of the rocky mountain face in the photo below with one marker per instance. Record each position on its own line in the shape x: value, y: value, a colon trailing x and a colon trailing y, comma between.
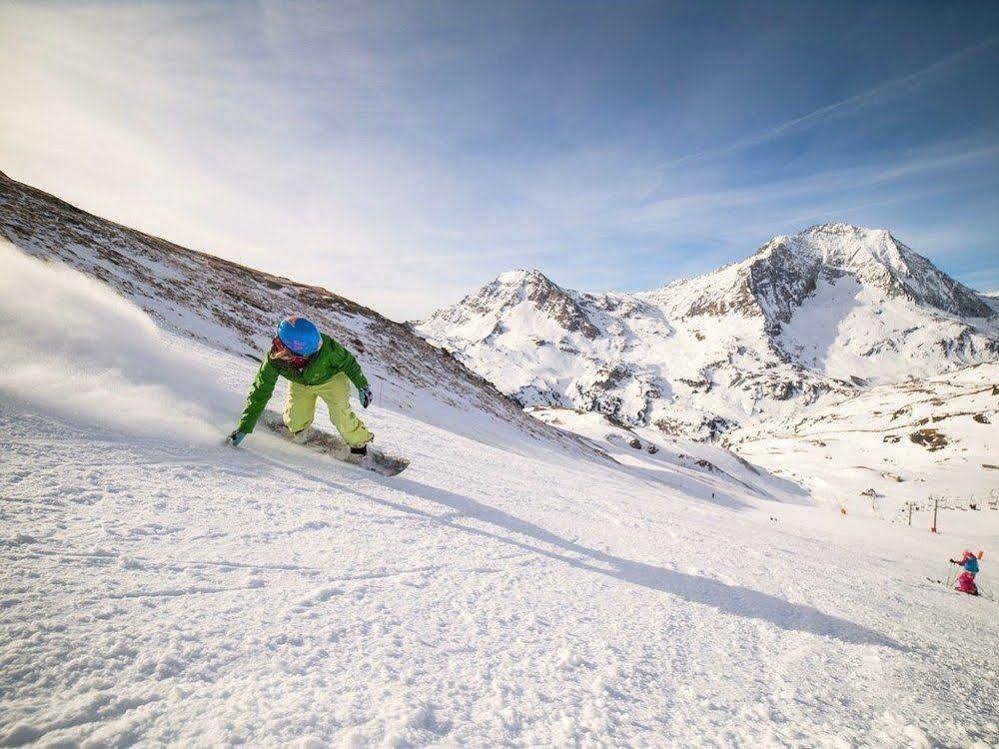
x: 236, y: 308
x: 807, y: 318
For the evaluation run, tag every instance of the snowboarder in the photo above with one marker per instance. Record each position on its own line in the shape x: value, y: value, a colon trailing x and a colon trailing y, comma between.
x: 966, y: 580
x: 317, y: 367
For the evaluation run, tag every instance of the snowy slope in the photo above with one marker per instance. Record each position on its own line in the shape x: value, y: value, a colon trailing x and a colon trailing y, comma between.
x: 675, y: 460
x: 935, y: 437
x: 806, y: 319
x: 233, y: 308
x: 158, y: 587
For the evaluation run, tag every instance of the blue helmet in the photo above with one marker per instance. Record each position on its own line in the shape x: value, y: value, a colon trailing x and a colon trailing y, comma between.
x: 299, y: 335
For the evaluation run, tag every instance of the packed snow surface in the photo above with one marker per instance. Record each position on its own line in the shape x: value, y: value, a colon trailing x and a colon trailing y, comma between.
x: 159, y: 587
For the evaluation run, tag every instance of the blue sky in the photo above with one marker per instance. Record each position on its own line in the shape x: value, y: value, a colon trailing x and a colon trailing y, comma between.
x: 403, y: 153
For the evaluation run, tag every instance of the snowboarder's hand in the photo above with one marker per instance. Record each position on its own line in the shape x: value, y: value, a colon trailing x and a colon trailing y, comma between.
x: 365, y: 395
x: 235, y: 438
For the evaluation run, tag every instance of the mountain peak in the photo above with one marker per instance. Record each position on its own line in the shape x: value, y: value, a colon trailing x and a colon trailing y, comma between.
x: 839, y: 243
x: 843, y: 228
x: 519, y: 292
x: 777, y: 278
x: 520, y: 276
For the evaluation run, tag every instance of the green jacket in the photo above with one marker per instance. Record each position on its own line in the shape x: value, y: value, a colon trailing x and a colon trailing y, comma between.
x: 331, y: 359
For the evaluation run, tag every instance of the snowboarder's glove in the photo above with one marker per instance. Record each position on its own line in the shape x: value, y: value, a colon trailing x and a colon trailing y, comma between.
x: 235, y: 438
x: 365, y: 395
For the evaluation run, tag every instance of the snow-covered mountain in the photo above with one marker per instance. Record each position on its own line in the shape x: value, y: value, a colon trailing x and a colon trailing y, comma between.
x: 807, y: 318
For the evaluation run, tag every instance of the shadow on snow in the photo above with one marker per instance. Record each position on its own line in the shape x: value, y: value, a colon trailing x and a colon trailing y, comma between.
x: 729, y: 599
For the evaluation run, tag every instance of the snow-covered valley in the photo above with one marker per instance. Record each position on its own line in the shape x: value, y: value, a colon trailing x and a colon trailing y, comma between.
x: 894, y: 444
x: 517, y: 586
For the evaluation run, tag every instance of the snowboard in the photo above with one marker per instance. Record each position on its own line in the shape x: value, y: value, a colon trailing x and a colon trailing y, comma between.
x: 323, y: 442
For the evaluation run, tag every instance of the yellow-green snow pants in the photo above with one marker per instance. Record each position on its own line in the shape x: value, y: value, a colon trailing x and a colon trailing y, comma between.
x: 335, y: 392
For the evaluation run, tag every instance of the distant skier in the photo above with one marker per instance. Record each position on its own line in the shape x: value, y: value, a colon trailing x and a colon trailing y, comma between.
x: 317, y: 367
x: 966, y: 580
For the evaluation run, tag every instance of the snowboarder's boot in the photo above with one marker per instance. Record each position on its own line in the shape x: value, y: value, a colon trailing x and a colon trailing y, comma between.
x: 301, y: 436
x: 358, y: 454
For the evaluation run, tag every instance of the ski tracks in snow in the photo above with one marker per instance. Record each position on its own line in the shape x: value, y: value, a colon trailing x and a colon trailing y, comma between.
x: 162, y: 592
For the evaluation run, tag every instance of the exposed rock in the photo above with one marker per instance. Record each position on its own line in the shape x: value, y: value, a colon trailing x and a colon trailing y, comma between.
x: 931, y: 439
